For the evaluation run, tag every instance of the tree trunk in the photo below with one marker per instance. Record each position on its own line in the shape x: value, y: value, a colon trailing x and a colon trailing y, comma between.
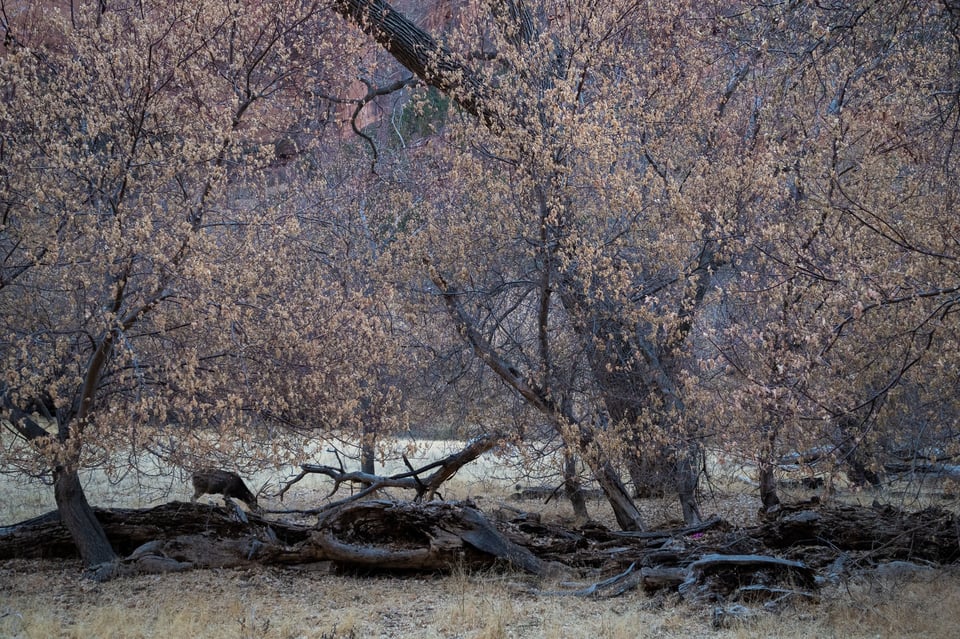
x: 768, y: 480
x: 688, y: 478
x: 573, y: 488
x: 631, y: 393
x: 628, y: 517
x: 424, y: 56
x: 768, y: 488
x: 850, y: 452
x: 576, y: 434
x: 416, y: 50
x: 78, y: 517
x: 367, y: 452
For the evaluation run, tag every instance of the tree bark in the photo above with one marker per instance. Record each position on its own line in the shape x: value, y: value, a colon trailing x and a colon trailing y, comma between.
x: 416, y: 50
x: 78, y: 517
x: 576, y: 434
x: 573, y: 488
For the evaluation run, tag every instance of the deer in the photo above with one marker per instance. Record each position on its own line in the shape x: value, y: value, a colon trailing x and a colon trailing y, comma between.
x: 211, y: 481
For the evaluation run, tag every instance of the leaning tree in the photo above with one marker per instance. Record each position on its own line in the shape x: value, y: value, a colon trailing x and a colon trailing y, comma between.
x: 579, y: 213
x: 155, y: 293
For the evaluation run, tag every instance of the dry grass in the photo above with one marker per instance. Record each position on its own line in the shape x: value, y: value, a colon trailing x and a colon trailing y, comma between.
x: 49, y: 599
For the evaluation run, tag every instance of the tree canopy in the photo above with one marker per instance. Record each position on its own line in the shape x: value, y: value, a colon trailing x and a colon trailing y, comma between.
x: 638, y: 231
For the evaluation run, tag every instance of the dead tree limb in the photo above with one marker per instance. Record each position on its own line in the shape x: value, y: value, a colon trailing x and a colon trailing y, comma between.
x: 412, y: 480
x: 717, y: 577
x: 887, y: 533
x: 386, y: 535
x: 711, y: 522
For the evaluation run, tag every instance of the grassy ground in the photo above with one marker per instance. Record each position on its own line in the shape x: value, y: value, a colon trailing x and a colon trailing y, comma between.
x: 49, y: 599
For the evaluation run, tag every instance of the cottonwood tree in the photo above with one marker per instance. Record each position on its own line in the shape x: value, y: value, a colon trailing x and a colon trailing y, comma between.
x: 587, y: 212
x: 144, y: 295
x: 335, y: 286
x: 626, y: 154
x: 848, y: 352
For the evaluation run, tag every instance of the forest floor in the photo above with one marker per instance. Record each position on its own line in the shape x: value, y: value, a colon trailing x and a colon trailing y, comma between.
x: 49, y: 599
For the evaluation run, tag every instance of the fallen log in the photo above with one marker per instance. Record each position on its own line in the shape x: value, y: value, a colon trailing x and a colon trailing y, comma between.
x: 46, y: 537
x: 714, y: 561
x: 370, y: 535
x: 713, y: 578
x: 718, y: 577
x: 885, y: 532
x: 406, y: 536
x: 713, y: 521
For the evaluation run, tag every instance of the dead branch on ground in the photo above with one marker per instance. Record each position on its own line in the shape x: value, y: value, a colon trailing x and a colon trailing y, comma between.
x: 423, y: 487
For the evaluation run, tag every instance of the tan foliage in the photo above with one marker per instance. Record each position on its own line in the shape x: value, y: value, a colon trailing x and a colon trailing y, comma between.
x: 159, y: 289
x: 629, y: 228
